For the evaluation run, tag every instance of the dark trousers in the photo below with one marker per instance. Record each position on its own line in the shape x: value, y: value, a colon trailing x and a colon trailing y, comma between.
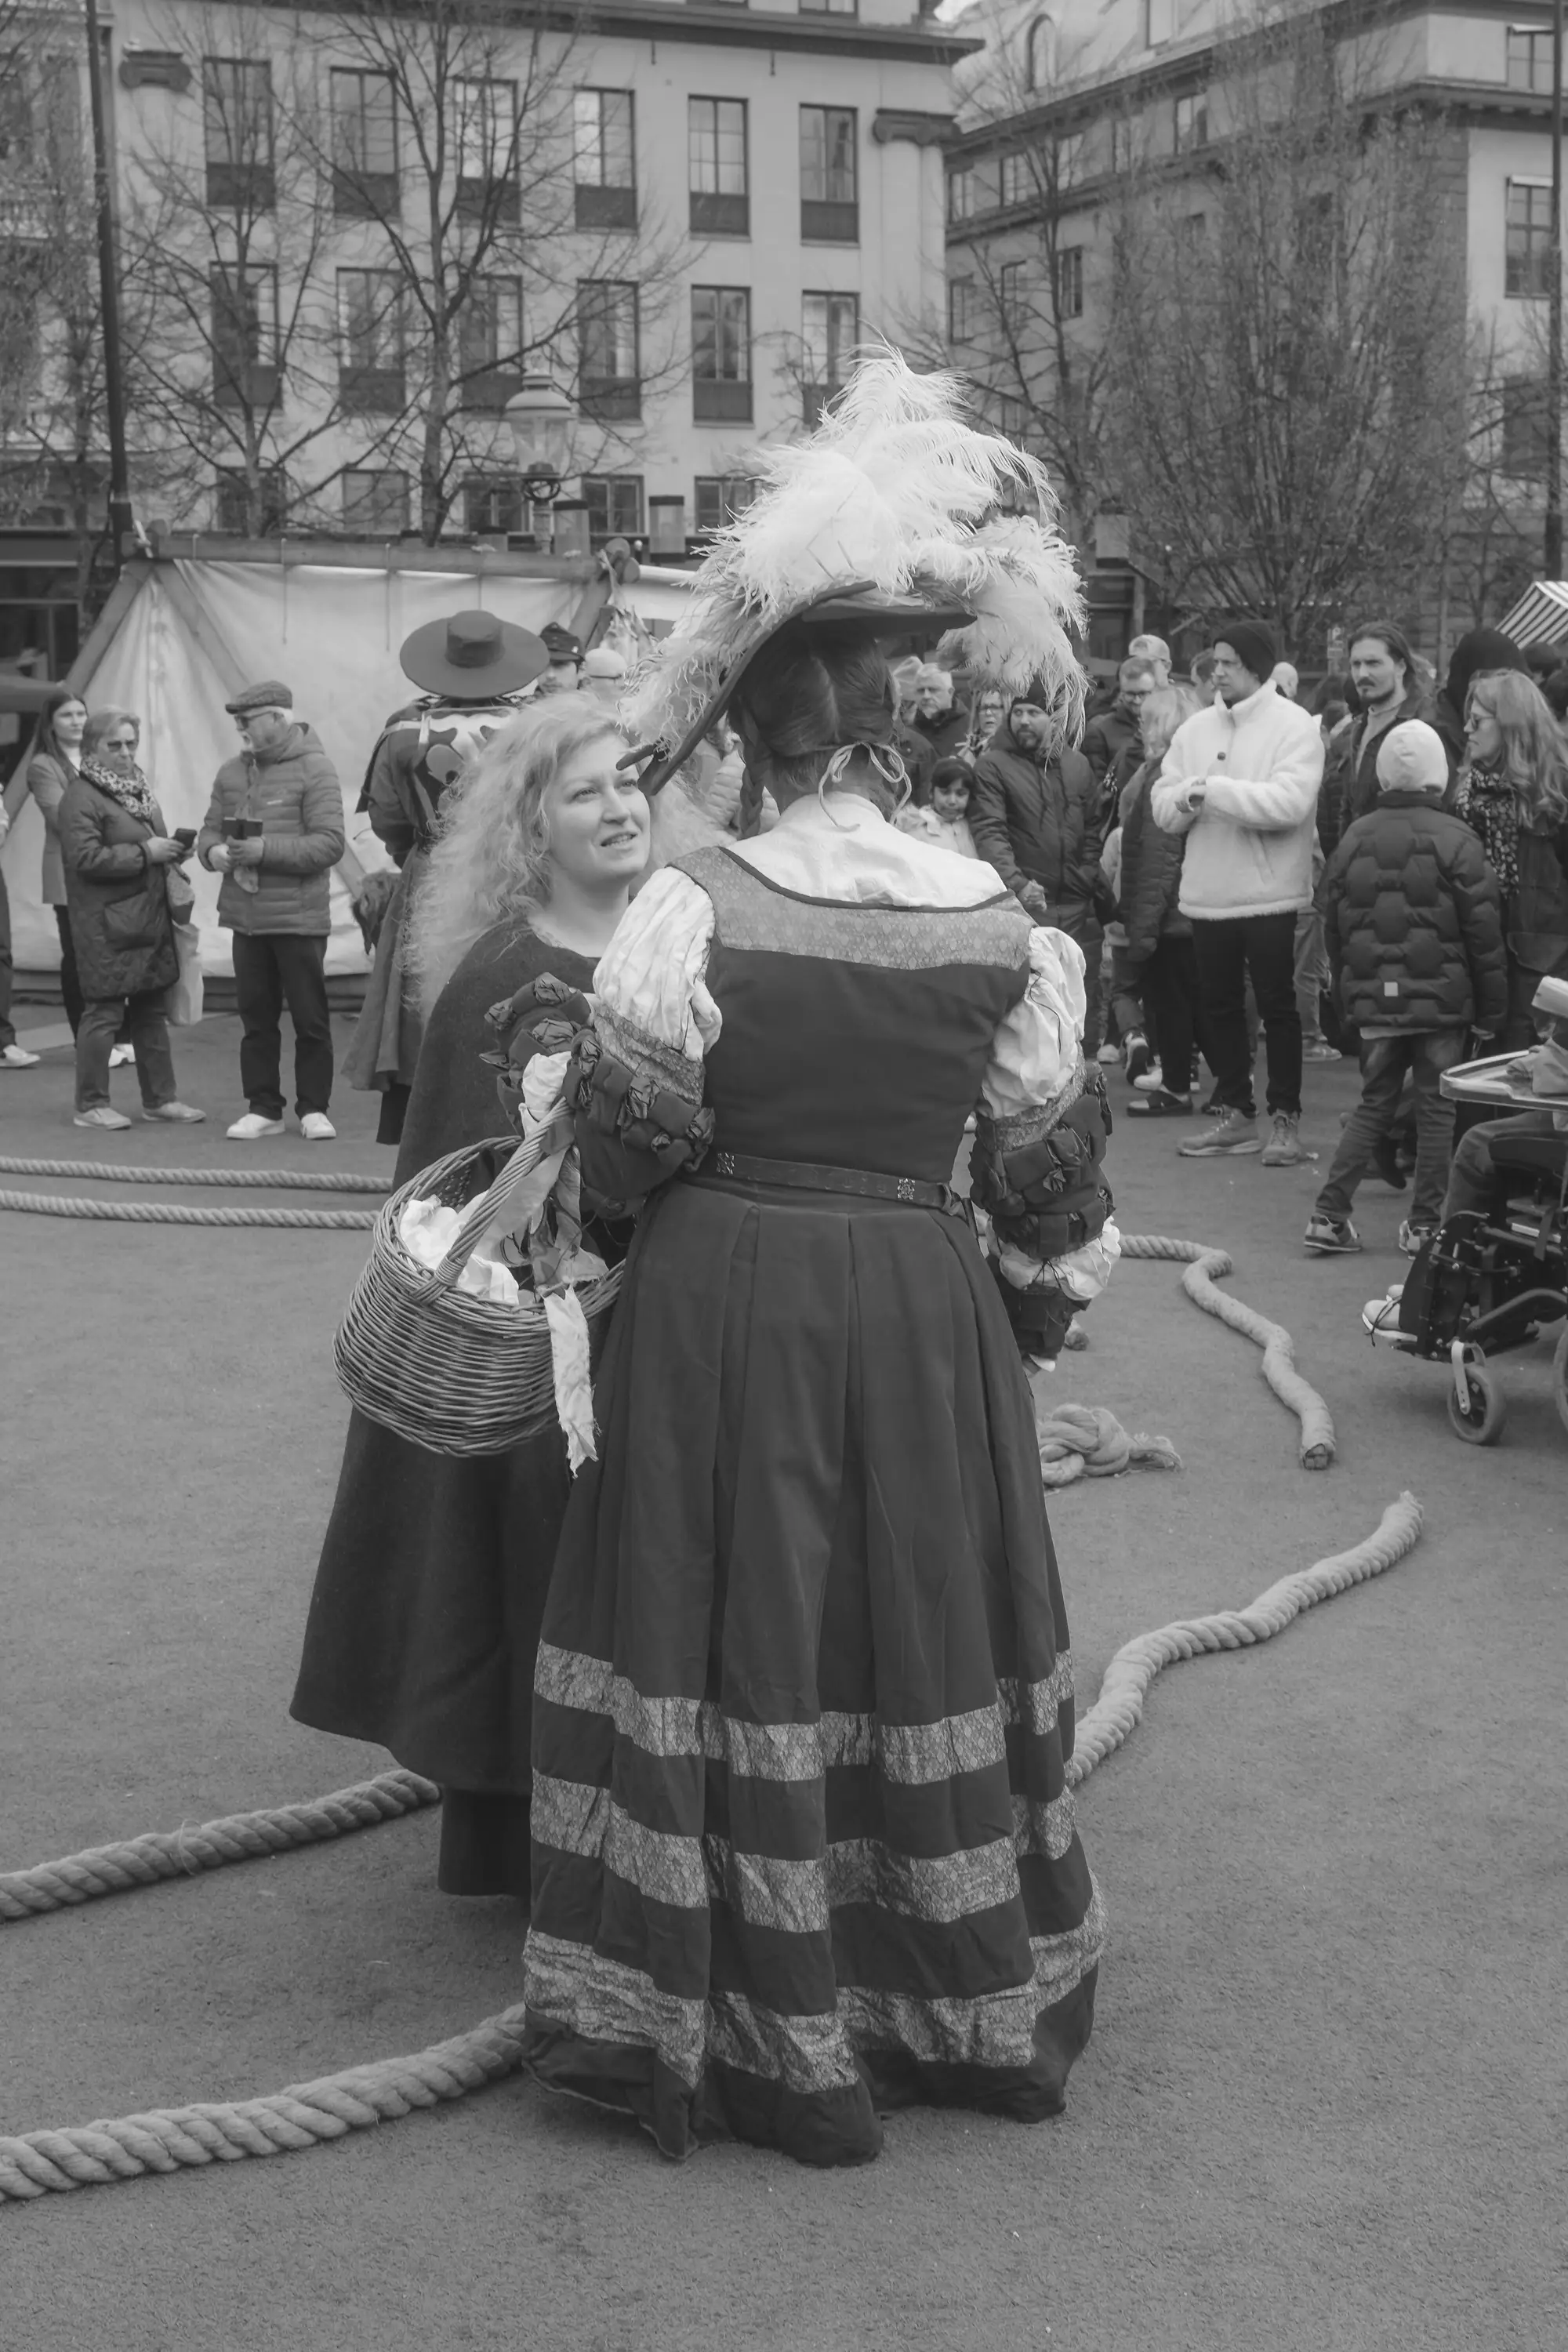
x: 70, y: 986
x: 286, y: 967
x: 95, y: 1036
x: 7, y: 1035
x: 1474, y: 1172
x: 1384, y: 1062
x: 1262, y: 947
x: 1171, y: 1002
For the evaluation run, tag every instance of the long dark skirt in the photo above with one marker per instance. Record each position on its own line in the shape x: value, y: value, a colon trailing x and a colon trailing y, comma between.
x: 422, y: 1629
x: 804, y: 1848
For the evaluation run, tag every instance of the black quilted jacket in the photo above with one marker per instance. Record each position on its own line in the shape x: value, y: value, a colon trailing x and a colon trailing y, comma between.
x: 1412, y: 920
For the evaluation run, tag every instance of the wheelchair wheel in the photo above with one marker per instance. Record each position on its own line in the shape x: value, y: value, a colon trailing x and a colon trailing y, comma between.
x: 1560, y: 1377
x: 1482, y: 1426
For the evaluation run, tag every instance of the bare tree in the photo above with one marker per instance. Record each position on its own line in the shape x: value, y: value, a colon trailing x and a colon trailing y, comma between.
x: 491, y: 204
x: 1288, y: 342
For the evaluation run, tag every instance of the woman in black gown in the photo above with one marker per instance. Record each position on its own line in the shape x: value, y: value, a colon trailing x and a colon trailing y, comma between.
x: 424, y: 1619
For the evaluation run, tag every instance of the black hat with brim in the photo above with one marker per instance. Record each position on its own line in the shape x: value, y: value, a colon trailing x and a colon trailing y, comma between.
x: 856, y: 613
x: 473, y: 658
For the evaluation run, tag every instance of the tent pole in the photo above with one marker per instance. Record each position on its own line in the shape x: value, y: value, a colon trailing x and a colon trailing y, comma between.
x: 109, y: 295
x: 1553, y: 547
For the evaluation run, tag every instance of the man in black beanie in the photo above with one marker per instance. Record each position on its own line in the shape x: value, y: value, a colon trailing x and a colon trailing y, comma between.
x: 1240, y: 780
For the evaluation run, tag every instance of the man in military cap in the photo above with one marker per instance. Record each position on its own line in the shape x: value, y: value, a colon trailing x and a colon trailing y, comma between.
x: 564, y: 675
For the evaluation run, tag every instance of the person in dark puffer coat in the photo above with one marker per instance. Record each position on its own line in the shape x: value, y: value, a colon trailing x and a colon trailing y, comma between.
x: 1412, y: 915
x: 1033, y: 813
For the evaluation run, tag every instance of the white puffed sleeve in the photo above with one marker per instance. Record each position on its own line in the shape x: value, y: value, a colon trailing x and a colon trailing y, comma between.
x: 650, y: 997
x: 1035, y: 1052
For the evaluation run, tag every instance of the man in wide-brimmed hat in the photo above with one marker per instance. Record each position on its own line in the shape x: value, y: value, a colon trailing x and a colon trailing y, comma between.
x: 473, y: 670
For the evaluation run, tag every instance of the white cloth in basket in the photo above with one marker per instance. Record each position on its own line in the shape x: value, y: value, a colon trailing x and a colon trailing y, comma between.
x: 427, y: 1230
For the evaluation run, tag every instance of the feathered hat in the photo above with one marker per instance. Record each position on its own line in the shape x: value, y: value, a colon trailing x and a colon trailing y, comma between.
x: 884, y: 523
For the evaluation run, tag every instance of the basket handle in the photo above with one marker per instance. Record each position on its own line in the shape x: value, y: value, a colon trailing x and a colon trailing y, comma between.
x: 485, y: 1212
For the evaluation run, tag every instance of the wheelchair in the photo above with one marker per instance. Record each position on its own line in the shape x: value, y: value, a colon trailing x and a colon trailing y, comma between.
x: 1489, y: 1279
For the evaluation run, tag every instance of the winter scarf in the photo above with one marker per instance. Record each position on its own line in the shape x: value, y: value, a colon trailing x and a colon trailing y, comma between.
x: 1491, y: 807
x: 132, y: 792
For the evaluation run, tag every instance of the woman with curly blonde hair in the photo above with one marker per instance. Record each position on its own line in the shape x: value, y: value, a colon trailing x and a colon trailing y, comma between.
x: 1513, y: 792
x: 424, y: 1619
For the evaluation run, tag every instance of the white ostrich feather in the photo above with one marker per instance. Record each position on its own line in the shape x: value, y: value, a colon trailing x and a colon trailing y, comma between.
x: 895, y: 487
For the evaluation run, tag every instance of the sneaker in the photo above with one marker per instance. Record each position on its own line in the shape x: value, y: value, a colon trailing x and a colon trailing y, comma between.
x: 120, y: 1055
x: 1158, y: 1104
x: 1331, y: 1236
x: 317, y: 1127
x: 101, y: 1116
x: 253, y: 1127
x: 1414, y: 1237
x: 1380, y: 1321
x: 1230, y: 1135
x: 16, y: 1057
x: 1109, y: 1053
x: 178, y: 1114
x: 1283, y: 1149
x: 1153, y: 1079
x: 1138, y: 1057
x: 1320, y: 1050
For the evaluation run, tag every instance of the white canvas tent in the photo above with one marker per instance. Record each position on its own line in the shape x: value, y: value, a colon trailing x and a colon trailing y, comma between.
x: 181, y: 633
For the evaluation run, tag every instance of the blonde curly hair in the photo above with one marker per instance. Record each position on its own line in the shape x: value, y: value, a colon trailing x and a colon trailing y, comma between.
x: 491, y: 858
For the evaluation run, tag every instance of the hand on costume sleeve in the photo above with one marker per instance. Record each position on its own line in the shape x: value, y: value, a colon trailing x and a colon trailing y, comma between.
x: 544, y: 1017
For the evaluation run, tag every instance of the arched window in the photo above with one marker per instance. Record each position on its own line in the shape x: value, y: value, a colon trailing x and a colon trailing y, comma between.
x: 1039, y: 52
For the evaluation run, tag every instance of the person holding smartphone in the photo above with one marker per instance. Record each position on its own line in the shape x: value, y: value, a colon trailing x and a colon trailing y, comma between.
x: 117, y: 854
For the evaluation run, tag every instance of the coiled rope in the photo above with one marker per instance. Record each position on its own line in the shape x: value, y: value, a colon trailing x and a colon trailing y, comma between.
x: 173, y: 1213
x: 283, y: 1180
x: 1203, y: 1265
x: 1086, y: 1441
x: 304, y: 2115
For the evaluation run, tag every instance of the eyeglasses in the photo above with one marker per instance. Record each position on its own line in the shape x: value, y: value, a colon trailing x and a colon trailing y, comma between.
x: 119, y: 742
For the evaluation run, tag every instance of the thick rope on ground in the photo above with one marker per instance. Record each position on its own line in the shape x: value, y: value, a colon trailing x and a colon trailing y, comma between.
x: 287, y: 1180
x: 305, y: 2114
x: 1203, y: 1265
x: 1119, y: 1706
x: 172, y: 1212
x: 1085, y: 1441
x: 180, y: 1853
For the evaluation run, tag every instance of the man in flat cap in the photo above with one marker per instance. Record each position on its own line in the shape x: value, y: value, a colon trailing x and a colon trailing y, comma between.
x: 274, y: 830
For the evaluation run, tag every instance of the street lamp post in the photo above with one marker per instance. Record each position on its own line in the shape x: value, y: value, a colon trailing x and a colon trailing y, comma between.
x: 108, y: 291
x: 540, y: 416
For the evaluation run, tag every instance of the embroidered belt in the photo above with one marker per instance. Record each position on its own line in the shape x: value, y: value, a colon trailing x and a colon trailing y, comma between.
x: 808, y: 1176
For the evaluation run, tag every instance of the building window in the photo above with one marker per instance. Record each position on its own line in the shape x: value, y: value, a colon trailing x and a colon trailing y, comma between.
x: 1192, y: 122
x: 959, y: 310
x: 1016, y: 182
x: 484, y: 131
x: 1039, y: 52
x: 1529, y: 57
x: 492, y: 506
x: 720, y: 497
x: 1159, y: 23
x: 960, y: 196
x: 720, y: 355
x: 1070, y: 281
x: 615, y: 505
x: 244, y: 334
x: 489, y: 342
x: 1069, y: 158
x: 371, y: 366
x: 365, y: 146
x: 1527, y: 269
x: 829, y: 8
x: 1193, y: 229
x: 1120, y: 142
x: 608, y: 383
x: 829, y: 330
x: 1011, y: 296
x: 236, y: 119
x: 376, y: 501
x: 716, y: 166
x: 241, y: 513
x: 605, y: 159
x: 1015, y: 419
x: 1525, y: 451
x: 829, y: 204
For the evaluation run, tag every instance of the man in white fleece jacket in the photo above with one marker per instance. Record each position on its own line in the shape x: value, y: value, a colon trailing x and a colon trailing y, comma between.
x: 1241, y: 779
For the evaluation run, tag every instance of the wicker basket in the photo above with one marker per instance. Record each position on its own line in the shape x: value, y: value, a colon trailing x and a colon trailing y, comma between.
x: 443, y: 1370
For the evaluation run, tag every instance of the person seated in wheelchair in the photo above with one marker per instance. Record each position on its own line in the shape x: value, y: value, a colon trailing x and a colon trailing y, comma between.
x: 1472, y: 1176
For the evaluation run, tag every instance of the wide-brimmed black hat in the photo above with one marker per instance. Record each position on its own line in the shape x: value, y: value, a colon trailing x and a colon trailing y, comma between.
x: 854, y: 613
x: 469, y: 656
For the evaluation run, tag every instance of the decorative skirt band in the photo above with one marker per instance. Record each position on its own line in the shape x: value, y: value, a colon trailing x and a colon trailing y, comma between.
x: 807, y: 1176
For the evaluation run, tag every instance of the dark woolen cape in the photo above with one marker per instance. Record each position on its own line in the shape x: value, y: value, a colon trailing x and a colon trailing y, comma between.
x: 425, y: 1615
